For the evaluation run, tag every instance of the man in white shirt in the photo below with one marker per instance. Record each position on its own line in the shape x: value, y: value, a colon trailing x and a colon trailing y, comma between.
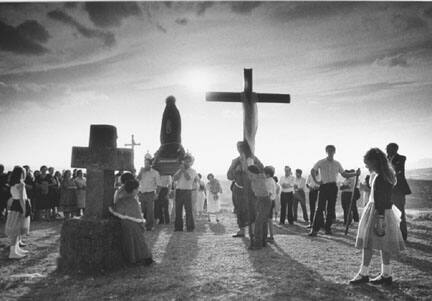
x: 149, y: 181
x: 287, y: 196
x: 184, y: 178
x: 328, y: 168
x: 299, y: 195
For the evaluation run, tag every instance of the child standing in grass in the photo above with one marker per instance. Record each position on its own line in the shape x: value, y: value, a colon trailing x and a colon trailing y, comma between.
x: 263, y: 187
x: 379, y: 225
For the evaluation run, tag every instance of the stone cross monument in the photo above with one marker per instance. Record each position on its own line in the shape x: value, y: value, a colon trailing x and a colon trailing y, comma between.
x: 101, y: 159
x: 93, y: 243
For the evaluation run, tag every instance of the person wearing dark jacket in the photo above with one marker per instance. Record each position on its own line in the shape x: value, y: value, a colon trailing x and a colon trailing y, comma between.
x: 401, y: 189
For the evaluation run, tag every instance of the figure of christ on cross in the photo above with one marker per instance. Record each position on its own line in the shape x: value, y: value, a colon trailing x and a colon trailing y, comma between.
x: 249, y: 100
x: 242, y: 192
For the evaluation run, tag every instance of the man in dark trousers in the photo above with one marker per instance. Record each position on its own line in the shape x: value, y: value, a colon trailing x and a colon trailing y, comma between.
x: 328, y: 169
x: 401, y: 189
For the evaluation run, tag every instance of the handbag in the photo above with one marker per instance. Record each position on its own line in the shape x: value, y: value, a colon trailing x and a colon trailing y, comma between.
x: 379, y: 231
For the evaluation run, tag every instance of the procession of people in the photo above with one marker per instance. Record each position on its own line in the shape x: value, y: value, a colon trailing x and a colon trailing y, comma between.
x: 142, y: 201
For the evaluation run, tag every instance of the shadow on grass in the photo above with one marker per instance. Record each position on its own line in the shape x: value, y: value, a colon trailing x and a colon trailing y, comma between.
x: 291, y: 279
x: 56, y: 285
x: 417, y: 263
x: 36, y: 252
x: 217, y: 228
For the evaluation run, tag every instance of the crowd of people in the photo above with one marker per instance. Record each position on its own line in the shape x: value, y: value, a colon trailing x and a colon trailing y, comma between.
x: 143, y: 200
x: 381, y: 227
x: 50, y: 192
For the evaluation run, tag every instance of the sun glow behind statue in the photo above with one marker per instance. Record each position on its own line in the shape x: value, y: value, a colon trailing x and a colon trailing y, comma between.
x: 197, y: 80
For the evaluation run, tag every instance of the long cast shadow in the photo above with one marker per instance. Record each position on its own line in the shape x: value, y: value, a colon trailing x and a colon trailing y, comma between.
x: 286, y: 273
x: 57, y: 285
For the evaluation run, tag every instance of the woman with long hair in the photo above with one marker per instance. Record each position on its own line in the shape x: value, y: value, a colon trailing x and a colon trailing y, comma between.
x: 379, y: 225
x: 18, y: 219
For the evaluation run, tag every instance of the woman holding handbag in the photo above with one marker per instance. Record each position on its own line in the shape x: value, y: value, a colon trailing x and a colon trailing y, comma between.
x: 379, y: 225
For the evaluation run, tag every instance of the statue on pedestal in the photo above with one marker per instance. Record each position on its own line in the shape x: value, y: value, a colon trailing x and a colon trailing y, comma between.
x: 167, y: 159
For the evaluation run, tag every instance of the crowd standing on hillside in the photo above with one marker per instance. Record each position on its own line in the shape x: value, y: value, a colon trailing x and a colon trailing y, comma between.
x: 382, y: 226
x: 143, y: 200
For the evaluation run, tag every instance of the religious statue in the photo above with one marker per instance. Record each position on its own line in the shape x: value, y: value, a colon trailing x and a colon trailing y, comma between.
x: 171, y: 152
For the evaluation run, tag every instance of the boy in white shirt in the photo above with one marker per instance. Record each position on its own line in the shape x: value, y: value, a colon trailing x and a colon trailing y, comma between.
x: 299, y: 195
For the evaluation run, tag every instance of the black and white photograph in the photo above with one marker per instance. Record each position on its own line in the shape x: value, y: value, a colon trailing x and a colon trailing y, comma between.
x: 215, y: 150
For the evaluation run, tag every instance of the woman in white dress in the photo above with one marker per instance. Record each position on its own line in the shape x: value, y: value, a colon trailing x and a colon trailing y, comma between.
x: 81, y: 184
x: 201, y: 195
x: 214, y: 189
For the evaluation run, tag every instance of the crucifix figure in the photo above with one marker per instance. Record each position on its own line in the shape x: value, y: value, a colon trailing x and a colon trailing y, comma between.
x: 100, y: 159
x: 133, y: 143
x: 249, y: 99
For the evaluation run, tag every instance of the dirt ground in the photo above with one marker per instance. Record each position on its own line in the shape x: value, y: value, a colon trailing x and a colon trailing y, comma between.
x: 210, y: 264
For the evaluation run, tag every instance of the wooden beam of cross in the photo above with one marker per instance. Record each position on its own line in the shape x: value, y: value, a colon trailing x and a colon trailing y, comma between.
x: 250, y: 110
x: 133, y: 143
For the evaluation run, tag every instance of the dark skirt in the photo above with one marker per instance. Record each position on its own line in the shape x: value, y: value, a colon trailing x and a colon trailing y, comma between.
x: 135, y: 248
x: 43, y: 201
x: 68, y: 200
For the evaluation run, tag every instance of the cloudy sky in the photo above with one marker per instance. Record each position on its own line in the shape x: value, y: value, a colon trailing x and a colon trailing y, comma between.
x: 359, y: 75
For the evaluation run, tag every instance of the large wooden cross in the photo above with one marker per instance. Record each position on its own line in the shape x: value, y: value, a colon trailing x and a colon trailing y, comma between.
x: 249, y: 99
x: 133, y: 143
x: 100, y: 159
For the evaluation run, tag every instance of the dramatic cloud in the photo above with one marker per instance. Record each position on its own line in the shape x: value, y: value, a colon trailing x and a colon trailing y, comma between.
x: 32, y: 30
x: 181, y: 21
x: 402, y: 56
x: 71, y: 4
x: 110, y: 14
x: 244, y: 7
x: 313, y: 10
x: 168, y: 4
x: 106, y: 37
x: 394, y: 61
x: 161, y: 28
x: 202, y: 7
x: 428, y: 12
x: 368, y: 89
x: 409, y: 23
x: 23, y: 39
